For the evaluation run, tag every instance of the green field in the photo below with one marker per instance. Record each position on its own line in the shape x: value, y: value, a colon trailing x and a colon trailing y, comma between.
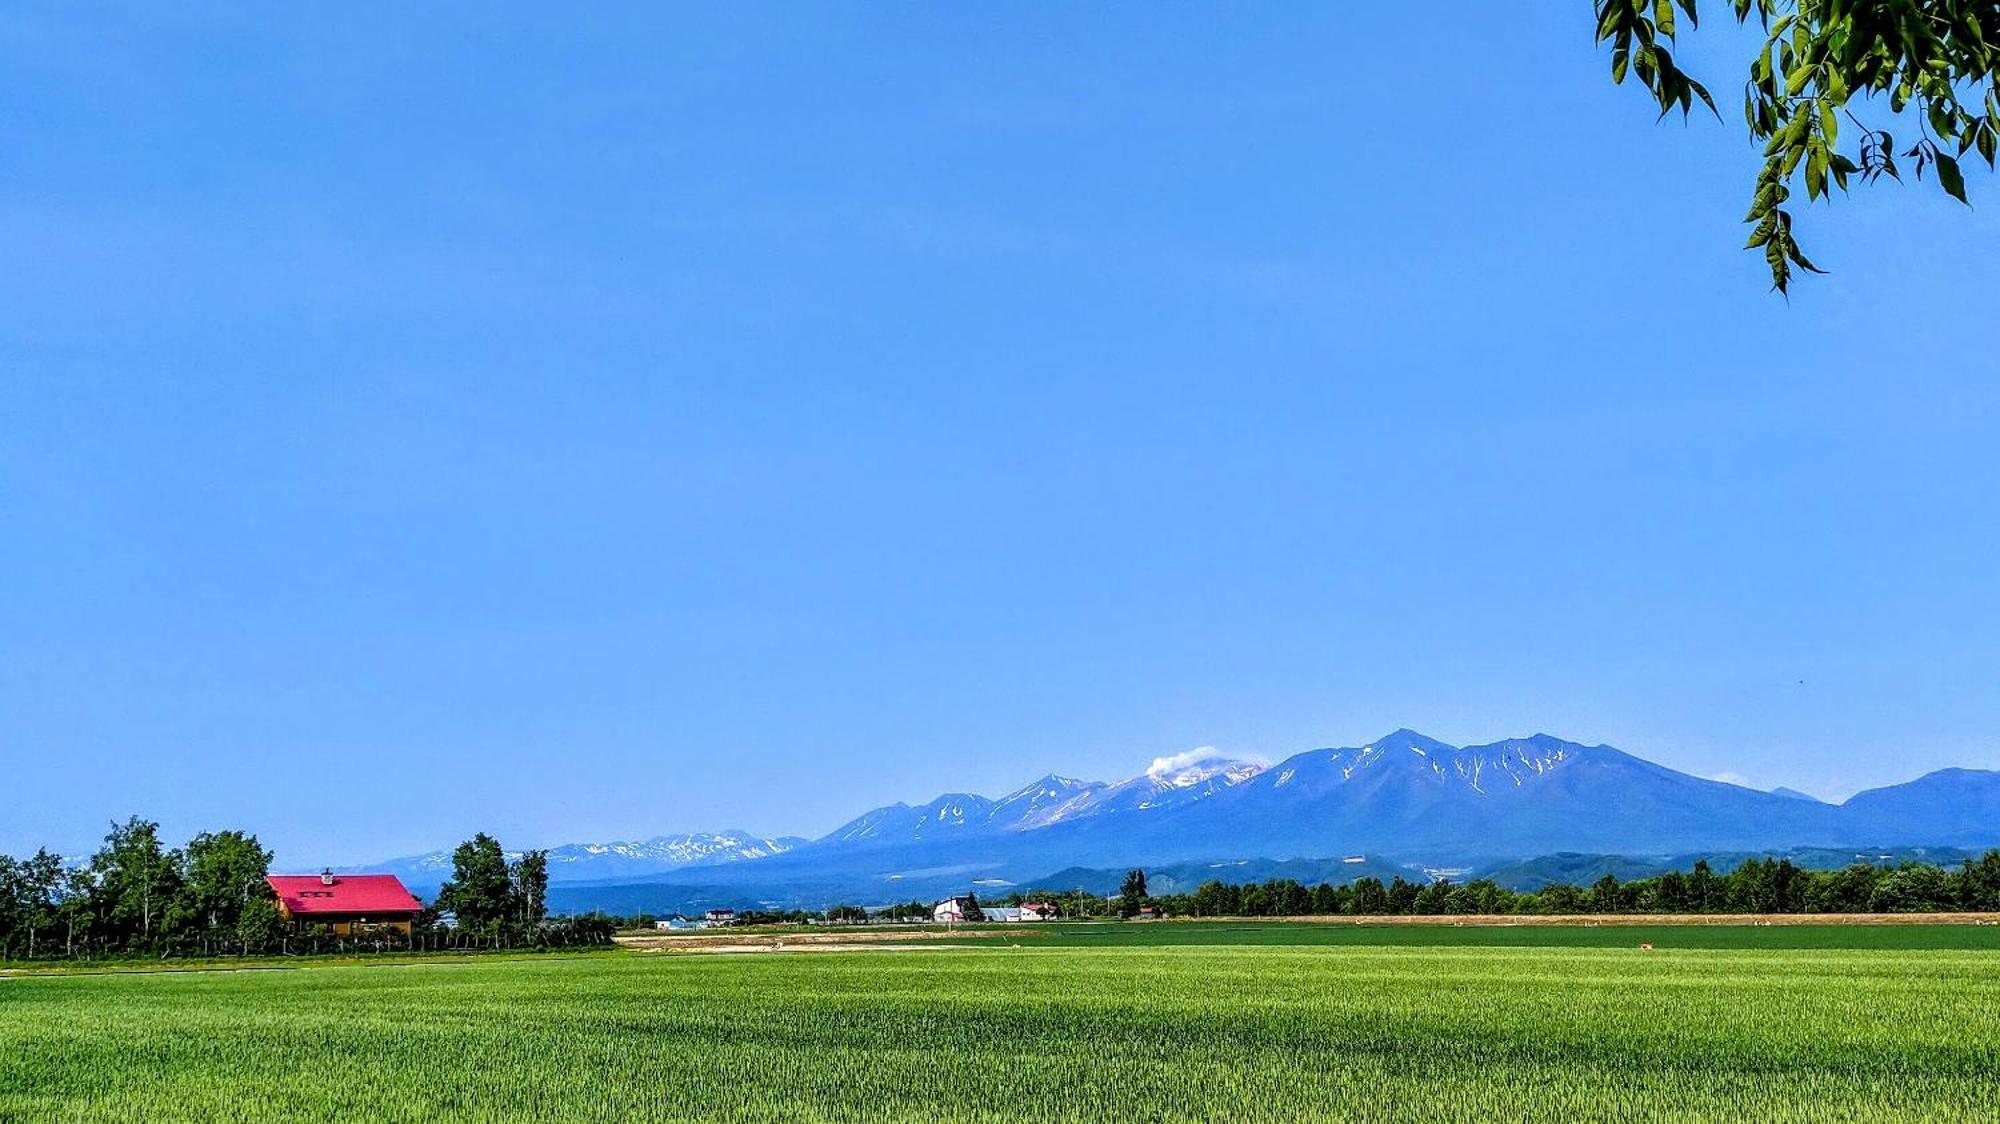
x: 1150, y: 1022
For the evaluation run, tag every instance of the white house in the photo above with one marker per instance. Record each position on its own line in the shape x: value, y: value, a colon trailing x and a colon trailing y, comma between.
x: 1003, y: 913
x: 1038, y: 911
x: 953, y: 910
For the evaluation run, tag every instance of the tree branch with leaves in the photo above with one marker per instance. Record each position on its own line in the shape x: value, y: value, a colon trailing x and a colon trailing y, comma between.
x: 1931, y: 59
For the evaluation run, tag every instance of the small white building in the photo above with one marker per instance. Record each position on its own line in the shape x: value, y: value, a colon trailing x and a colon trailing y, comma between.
x: 676, y: 921
x: 1038, y: 911
x: 1002, y: 913
x: 719, y: 917
x: 956, y: 910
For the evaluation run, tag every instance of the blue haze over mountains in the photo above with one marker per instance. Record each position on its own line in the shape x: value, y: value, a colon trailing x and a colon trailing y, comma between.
x: 1405, y: 797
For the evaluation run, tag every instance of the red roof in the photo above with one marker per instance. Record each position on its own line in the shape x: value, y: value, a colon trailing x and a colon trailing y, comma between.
x: 349, y: 893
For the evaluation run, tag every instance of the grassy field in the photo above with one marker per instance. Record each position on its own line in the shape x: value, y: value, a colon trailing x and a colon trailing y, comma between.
x: 1155, y: 1022
x: 1661, y: 936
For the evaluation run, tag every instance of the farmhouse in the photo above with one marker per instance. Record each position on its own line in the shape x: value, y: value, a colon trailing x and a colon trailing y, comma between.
x: 1038, y: 911
x: 719, y: 917
x: 955, y: 909
x: 1003, y: 913
x: 348, y: 904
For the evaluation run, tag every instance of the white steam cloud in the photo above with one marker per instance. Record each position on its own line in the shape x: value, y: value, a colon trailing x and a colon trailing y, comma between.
x: 1200, y: 755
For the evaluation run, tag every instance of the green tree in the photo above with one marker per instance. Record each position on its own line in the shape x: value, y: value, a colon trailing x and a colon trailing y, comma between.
x: 75, y: 908
x: 1929, y: 62
x: 1979, y: 883
x: 1255, y: 900
x: 1604, y: 894
x: 259, y: 925
x: 1402, y: 895
x: 225, y: 870
x: 1326, y: 899
x: 530, y: 878
x: 1369, y: 896
x: 1912, y: 887
x: 30, y: 901
x: 1215, y: 898
x: 1292, y: 897
x: 40, y: 879
x: 1670, y: 892
x: 1434, y: 898
x: 1847, y: 891
x: 1704, y: 890
x: 12, y: 910
x: 480, y: 891
x: 1132, y: 894
x: 1484, y: 895
x: 1561, y: 897
x: 136, y: 883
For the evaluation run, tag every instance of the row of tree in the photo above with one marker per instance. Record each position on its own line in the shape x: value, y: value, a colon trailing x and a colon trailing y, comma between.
x: 1756, y: 886
x: 137, y: 896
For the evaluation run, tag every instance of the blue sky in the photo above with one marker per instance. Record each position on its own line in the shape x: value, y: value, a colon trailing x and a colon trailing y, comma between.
x: 587, y: 427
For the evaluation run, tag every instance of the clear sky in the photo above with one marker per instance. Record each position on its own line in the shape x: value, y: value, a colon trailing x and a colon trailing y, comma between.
x: 587, y: 426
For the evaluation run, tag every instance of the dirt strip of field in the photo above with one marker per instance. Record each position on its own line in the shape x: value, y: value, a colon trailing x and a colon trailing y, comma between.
x: 722, y: 940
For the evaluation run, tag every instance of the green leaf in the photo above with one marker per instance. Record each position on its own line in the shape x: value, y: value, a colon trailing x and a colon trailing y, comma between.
x: 1949, y: 177
x: 1701, y: 92
x: 1798, y: 257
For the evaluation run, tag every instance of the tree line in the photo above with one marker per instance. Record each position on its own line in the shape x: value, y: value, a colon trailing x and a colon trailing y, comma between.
x: 135, y: 896
x: 1756, y: 886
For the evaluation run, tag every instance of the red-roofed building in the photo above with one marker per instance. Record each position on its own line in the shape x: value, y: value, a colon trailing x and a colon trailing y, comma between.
x: 346, y: 903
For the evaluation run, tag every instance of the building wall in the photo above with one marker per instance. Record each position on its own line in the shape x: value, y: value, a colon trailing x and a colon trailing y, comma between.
x: 346, y: 926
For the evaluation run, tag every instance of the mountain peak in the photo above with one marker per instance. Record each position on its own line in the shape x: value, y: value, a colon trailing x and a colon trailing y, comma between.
x: 1054, y: 783
x: 1408, y: 739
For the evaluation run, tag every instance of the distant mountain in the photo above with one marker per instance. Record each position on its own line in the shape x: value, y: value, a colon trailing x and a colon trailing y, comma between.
x: 1795, y: 794
x: 576, y: 862
x: 1959, y: 807
x: 1408, y: 799
x: 1051, y: 801
x: 1407, y: 793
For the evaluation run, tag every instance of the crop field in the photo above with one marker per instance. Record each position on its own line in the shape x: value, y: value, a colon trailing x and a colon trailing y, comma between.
x: 1279, y: 1023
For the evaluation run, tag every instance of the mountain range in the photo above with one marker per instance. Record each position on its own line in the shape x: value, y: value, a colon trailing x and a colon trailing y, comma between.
x: 1406, y: 797
x: 573, y: 862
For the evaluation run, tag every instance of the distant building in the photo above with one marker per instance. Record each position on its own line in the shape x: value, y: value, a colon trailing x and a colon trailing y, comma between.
x: 1038, y: 911
x: 675, y: 921
x: 957, y: 909
x: 348, y: 904
x: 1003, y: 913
x: 719, y: 917
x: 1355, y: 859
